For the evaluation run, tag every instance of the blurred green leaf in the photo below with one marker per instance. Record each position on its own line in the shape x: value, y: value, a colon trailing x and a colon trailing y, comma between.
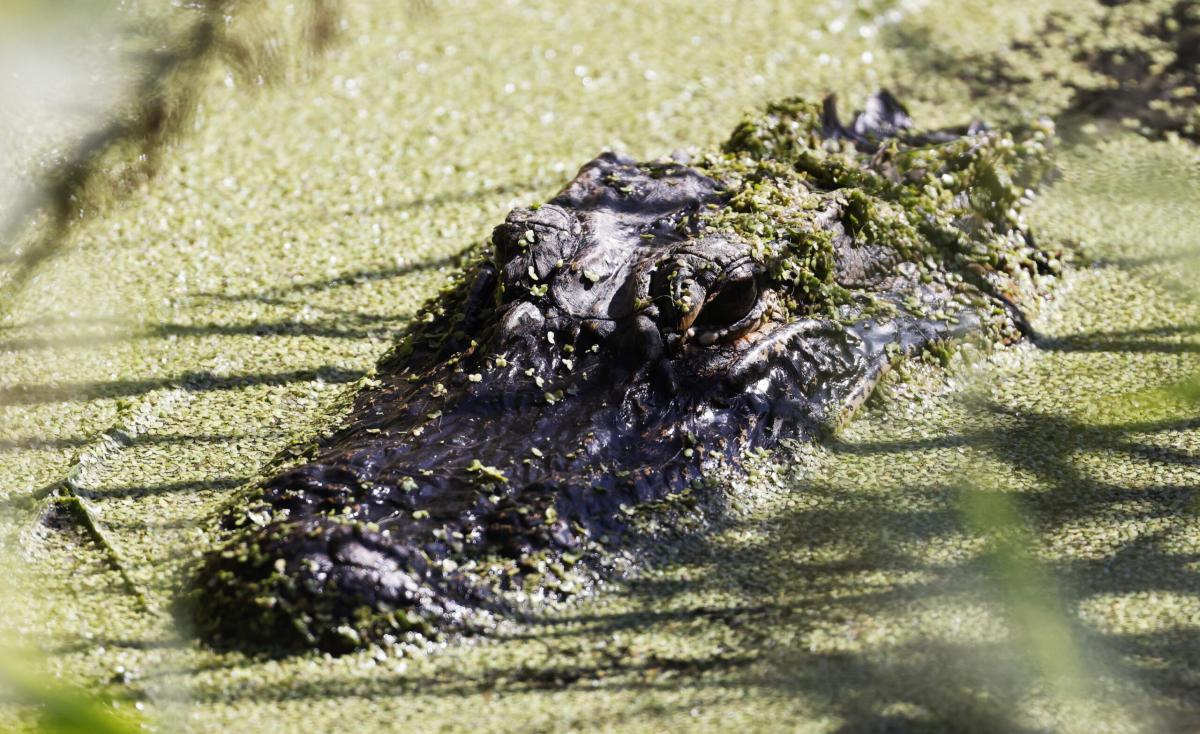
x: 61, y: 708
x: 1038, y: 623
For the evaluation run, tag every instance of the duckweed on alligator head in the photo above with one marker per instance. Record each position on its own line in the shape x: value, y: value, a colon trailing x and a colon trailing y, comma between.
x: 648, y: 323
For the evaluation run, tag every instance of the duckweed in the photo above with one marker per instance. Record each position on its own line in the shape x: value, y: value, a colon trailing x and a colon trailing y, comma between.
x: 847, y: 593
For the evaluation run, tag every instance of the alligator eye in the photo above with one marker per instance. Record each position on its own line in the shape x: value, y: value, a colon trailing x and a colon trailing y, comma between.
x: 732, y: 303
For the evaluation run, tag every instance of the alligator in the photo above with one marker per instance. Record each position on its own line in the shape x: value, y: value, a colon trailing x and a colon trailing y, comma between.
x: 609, y: 350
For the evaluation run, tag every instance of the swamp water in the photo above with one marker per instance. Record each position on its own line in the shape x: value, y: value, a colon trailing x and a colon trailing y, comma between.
x: 1009, y: 545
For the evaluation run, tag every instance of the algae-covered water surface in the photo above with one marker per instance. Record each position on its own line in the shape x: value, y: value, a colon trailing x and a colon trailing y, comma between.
x: 1002, y: 539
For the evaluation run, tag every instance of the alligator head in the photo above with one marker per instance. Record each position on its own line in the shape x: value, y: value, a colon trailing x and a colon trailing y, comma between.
x: 649, y: 322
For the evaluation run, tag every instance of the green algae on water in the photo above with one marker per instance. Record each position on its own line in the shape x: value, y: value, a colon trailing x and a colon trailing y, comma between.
x: 1131, y: 62
x: 846, y: 595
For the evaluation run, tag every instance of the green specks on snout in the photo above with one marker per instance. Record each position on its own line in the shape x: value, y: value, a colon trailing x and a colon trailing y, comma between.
x: 490, y: 472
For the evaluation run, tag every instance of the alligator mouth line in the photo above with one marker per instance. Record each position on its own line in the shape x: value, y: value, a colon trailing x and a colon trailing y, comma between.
x: 649, y: 323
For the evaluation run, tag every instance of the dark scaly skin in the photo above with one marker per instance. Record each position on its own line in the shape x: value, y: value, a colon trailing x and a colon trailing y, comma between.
x: 650, y: 322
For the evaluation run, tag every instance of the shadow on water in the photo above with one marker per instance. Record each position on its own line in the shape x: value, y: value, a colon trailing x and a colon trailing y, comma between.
x: 802, y: 601
x: 339, y: 324
x: 167, y: 488
x: 1104, y: 61
x: 336, y: 323
x: 1143, y: 341
x: 829, y: 570
x: 198, y: 381
x: 351, y: 327
x: 459, y: 197
x: 353, y: 278
x: 25, y: 443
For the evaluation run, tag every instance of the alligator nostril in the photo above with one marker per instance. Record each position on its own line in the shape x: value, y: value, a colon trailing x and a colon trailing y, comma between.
x: 522, y: 318
x: 533, y: 243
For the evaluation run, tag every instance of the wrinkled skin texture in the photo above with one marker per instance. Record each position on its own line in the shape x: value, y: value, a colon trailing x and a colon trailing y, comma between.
x: 650, y: 322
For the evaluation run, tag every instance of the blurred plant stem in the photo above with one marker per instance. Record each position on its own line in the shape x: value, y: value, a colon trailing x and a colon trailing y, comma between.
x: 172, y: 58
x: 1040, y: 626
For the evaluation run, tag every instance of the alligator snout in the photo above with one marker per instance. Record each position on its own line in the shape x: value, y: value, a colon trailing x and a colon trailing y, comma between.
x: 307, y: 583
